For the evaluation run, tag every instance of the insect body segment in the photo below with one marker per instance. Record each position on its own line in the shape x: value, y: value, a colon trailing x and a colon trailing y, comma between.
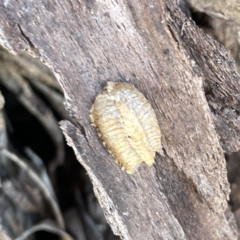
x: 127, y: 125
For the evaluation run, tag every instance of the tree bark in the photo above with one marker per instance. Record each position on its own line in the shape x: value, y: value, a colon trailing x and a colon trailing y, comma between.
x: 228, y: 10
x: 190, y: 80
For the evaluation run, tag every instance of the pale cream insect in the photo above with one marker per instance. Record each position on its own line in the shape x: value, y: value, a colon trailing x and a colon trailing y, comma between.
x: 127, y: 124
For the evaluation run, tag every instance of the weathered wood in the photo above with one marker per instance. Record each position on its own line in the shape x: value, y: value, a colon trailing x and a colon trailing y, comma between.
x: 222, y: 93
x: 228, y: 10
x: 191, y: 82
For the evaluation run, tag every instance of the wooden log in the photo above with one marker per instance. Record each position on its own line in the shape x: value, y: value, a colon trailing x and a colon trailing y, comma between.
x: 189, y: 79
x: 228, y: 10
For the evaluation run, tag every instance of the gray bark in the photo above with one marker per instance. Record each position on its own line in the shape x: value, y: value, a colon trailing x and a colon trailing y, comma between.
x: 191, y: 82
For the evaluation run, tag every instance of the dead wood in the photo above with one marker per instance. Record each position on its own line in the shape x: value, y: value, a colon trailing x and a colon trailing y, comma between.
x: 191, y: 82
x: 223, y: 22
x: 228, y: 10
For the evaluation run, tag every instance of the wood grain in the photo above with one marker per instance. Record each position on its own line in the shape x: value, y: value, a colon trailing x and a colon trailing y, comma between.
x: 189, y: 79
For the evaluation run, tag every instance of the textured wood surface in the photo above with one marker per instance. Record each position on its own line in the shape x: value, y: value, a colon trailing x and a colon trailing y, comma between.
x: 191, y: 83
x: 228, y: 10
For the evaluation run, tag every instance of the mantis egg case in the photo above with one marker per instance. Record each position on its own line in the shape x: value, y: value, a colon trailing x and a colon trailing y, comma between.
x: 127, y: 124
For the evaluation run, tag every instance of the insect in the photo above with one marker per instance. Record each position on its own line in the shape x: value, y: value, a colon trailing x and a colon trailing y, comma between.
x: 127, y: 124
